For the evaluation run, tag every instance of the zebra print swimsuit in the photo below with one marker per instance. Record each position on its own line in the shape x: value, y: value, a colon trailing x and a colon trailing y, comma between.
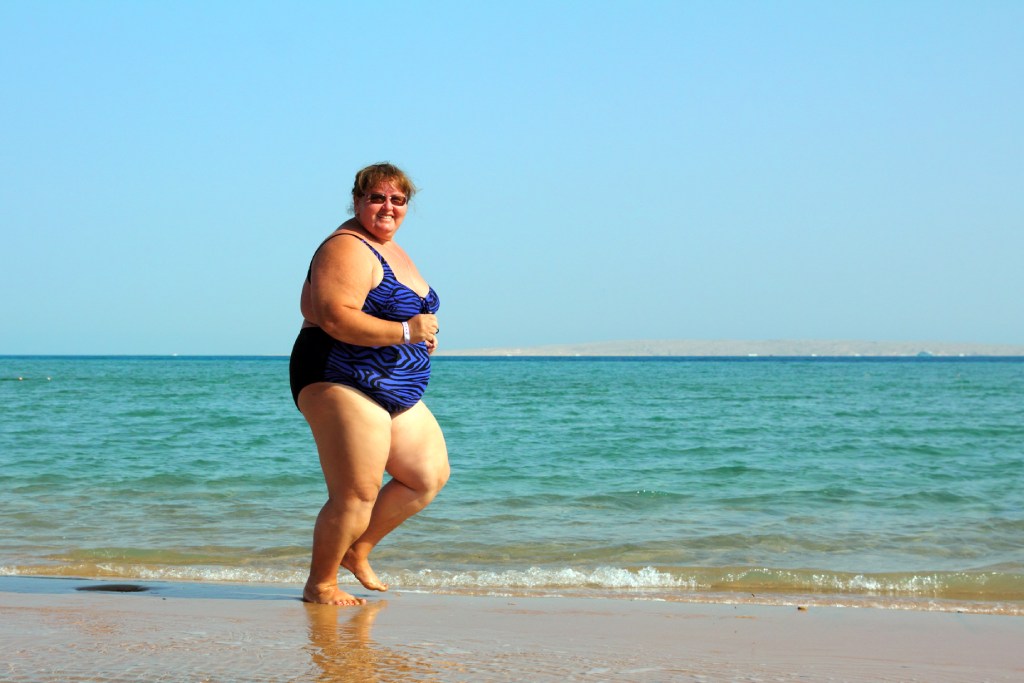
x: 393, y: 376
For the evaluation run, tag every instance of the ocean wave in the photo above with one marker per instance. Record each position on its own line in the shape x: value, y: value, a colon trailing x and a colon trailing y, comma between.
x: 203, y: 574
x: 967, y: 585
x: 535, y: 577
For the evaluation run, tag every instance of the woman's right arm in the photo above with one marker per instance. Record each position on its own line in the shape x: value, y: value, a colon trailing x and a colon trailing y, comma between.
x: 342, y: 274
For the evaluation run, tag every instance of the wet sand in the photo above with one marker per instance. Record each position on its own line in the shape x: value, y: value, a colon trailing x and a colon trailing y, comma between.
x: 51, y: 630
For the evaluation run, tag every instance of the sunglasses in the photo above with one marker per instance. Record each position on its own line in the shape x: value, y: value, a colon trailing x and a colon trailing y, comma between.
x: 396, y: 199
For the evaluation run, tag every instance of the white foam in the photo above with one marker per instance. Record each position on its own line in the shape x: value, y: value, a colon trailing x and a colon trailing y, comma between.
x: 536, y: 577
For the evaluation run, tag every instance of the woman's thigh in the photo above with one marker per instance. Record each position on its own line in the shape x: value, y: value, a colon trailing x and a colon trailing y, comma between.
x: 352, y: 434
x: 419, y: 455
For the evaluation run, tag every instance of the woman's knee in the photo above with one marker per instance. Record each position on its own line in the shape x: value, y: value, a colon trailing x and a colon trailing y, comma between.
x: 432, y: 479
x: 354, y: 497
x: 443, y: 474
x: 426, y: 481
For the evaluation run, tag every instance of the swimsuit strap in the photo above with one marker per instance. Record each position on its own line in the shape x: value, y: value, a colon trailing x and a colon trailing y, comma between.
x: 387, y: 268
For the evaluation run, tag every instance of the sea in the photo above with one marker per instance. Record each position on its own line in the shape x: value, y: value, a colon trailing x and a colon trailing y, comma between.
x: 884, y: 482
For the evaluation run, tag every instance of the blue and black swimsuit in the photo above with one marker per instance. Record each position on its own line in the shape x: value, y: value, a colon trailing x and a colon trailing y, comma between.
x: 393, y: 376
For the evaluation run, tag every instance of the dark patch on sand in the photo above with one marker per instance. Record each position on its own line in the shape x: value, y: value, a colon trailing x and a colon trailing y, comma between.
x: 114, y: 588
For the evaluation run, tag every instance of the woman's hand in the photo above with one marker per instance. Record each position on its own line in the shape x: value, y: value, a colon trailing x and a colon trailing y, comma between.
x: 424, y: 328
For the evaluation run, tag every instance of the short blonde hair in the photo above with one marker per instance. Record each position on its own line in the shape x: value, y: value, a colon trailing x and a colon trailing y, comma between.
x: 375, y: 174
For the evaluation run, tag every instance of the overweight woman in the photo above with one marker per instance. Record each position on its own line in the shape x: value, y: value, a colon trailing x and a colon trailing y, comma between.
x: 358, y: 370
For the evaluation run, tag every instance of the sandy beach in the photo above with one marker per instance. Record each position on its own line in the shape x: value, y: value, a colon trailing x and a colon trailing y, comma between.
x: 56, y: 629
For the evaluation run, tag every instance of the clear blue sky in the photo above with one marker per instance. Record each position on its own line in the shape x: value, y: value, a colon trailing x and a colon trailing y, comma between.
x: 589, y: 170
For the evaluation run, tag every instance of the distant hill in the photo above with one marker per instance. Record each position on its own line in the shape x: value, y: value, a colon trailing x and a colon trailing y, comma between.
x: 749, y: 348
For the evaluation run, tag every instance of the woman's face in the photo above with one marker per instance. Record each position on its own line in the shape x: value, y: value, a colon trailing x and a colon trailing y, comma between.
x: 378, y: 213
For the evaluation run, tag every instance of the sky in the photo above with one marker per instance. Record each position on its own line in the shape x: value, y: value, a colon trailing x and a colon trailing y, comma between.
x: 588, y: 171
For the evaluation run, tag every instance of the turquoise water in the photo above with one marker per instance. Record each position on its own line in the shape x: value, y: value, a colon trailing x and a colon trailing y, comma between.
x: 830, y: 481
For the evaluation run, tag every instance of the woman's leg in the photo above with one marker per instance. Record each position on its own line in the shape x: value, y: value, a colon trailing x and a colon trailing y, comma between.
x: 353, y: 438
x: 418, y: 465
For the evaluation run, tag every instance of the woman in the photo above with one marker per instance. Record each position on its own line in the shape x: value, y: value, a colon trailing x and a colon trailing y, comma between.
x: 358, y: 369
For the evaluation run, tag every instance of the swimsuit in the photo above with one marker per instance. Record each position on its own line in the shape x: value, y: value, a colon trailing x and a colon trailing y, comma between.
x: 393, y: 376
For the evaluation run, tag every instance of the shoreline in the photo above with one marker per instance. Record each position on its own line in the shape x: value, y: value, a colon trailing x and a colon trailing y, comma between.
x: 51, y: 632
x: 959, y: 602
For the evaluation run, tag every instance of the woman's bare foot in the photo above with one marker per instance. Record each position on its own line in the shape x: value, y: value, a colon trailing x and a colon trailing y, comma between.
x: 329, y: 594
x: 361, y: 569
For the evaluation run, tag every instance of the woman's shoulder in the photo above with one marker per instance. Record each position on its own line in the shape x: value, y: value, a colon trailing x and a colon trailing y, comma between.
x: 346, y: 228
x: 343, y: 230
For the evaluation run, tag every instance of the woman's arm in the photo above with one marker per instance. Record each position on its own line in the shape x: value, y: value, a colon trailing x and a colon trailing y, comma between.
x: 342, y: 274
